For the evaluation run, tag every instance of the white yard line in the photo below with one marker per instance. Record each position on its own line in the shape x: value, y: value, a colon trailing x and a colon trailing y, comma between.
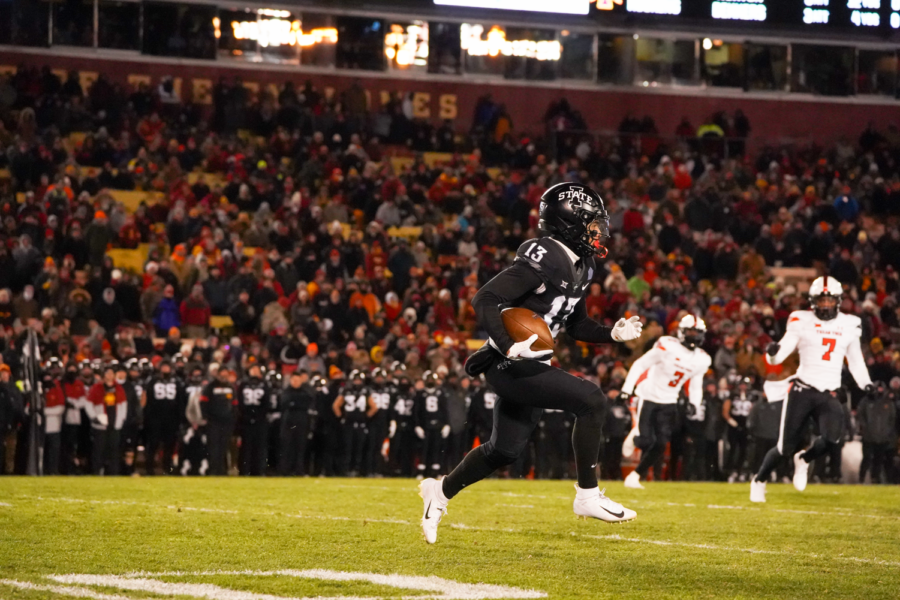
x: 463, y: 526
x: 870, y: 561
x: 63, y: 590
x: 5, y: 504
x: 443, y: 589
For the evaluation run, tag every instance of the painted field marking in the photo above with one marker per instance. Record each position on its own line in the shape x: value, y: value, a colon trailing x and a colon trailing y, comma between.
x: 462, y: 526
x: 62, y: 590
x: 5, y: 504
x: 442, y: 589
x: 618, y: 538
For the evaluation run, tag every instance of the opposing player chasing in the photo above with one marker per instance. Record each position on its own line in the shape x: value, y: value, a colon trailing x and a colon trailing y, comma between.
x: 823, y: 337
x: 549, y: 277
x: 655, y: 380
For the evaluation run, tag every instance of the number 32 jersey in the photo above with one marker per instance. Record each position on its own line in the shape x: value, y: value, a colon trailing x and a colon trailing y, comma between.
x: 660, y: 374
x: 822, y: 346
x: 563, y: 283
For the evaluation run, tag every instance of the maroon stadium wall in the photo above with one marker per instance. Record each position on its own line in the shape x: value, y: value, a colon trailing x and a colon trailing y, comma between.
x: 776, y: 119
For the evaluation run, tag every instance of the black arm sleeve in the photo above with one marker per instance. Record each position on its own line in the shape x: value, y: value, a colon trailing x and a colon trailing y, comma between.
x: 583, y: 329
x: 508, y: 286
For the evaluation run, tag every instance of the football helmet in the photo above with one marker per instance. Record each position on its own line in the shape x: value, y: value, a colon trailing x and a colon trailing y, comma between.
x: 691, y: 331
x: 825, y: 297
x: 576, y: 215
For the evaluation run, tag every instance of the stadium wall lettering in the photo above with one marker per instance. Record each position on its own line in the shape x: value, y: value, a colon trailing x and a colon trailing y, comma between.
x: 775, y: 118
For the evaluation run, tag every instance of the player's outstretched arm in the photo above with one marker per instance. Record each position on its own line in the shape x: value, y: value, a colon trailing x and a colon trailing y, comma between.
x: 857, y: 365
x: 509, y: 285
x: 584, y: 329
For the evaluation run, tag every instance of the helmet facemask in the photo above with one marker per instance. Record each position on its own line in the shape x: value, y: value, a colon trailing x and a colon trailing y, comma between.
x: 691, y: 337
x: 825, y: 306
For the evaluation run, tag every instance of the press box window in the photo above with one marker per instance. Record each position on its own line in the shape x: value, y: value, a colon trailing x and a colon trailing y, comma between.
x: 822, y: 70
x: 360, y: 43
x: 30, y: 23
x: 179, y: 30
x: 318, y: 44
x: 531, y: 54
x: 877, y: 72
x: 577, y: 60
x: 665, y: 62
x: 406, y: 46
x: 121, y: 25
x: 615, y: 59
x: 722, y: 64
x: 73, y: 23
x: 766, y: 67
x: 444, y: 48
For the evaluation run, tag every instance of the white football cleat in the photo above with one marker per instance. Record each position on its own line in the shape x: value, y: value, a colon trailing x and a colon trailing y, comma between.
x: 633, y: 481
x: 801, y: 472
x: 757, y: 490
x: 595, y: 505
x: 628, y: 444
x: 435, y: 508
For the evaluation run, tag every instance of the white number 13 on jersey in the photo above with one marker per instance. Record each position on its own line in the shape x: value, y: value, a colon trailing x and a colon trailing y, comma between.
x: 535, y: 253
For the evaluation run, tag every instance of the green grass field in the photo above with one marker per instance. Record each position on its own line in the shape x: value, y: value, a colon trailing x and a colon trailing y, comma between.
x: 689, y: 540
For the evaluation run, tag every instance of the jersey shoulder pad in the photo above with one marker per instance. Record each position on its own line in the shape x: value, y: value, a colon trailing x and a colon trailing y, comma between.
x: 852, y: 321
x: 798, y: 319
x: 667, y: 343
x: 705, y: 358
x: 543, y: 255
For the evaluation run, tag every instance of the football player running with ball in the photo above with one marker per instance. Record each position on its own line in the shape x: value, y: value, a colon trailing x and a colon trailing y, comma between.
x: 824, y: 337
x: 550, y: 276
x: 655, y: 379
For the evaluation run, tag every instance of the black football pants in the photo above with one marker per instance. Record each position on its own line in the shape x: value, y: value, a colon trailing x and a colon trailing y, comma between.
x: 294, y: 436
x: 803, y: 402
x: 526, y: 388
x: 160, y: 433
x: 354, y: 436
x: 403, y: 445
x: 656, y: 422
x: 254, y: 447
x: 218, y: 441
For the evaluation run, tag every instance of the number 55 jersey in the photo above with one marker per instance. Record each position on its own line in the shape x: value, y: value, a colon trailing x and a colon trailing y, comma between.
x: 660, y: 374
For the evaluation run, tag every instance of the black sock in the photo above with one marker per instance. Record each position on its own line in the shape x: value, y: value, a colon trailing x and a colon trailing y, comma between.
x: 586, y: 443
x: 769, y: 463
x: 474, y: 467
x: 819, y: 447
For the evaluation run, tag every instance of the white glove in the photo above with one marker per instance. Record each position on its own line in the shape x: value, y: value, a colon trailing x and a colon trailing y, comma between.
x: 732, y: 422
x: 625, y: 331
x: 445, y: 431
x: 523, y: 350
x: 420, y: 433
x: 102, y: 419
x: 392, y: 429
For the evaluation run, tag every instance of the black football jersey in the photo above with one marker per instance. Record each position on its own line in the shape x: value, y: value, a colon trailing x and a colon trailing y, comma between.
x: 481, y: 411
x: 381, y: 395
x: 165, y: 395
x: 356, y: 403
x: 430, y: 408
x: 741, y: 406
x: 563, y: 284
x: 254, y: 400
x: 402, y: 406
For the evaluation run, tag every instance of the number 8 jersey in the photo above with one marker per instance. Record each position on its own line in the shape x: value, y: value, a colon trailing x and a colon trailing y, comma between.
x: 660, y: 374
x: 822, y: 346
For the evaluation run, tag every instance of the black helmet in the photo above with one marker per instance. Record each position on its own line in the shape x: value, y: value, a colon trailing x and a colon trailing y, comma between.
x: 576, y: 215
x: 430, y: 379
x: 357, y: 375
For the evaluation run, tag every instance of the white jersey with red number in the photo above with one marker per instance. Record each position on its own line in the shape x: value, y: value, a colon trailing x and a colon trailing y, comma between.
x: 660, y: 374
x: 823, y: 346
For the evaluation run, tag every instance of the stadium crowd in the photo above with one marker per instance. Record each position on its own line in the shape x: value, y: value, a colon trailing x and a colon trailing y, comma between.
x: 347, y: 283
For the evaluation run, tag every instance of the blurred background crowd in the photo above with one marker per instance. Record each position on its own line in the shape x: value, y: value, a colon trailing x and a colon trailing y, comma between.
x: 306, y: 277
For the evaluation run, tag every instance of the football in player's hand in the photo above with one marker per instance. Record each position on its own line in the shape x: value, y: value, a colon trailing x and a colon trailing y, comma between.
x: 522, y: 323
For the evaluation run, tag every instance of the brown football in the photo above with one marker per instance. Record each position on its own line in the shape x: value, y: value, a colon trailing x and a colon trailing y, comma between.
x: 522, y: 323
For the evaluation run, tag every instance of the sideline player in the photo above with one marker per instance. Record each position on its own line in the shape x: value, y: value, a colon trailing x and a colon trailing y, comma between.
x: 823, y: 337
x: 550, y: 277
x: 655, y: 380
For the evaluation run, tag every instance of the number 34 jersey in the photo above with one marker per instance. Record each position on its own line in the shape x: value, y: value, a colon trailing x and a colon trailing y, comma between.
x: 660, y: 374
x: 563, y: 283
x: 822, y: 346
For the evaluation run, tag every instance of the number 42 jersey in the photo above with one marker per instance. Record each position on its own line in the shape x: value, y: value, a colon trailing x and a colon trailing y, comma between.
x: 660, y: 374
x: 822, y: 346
